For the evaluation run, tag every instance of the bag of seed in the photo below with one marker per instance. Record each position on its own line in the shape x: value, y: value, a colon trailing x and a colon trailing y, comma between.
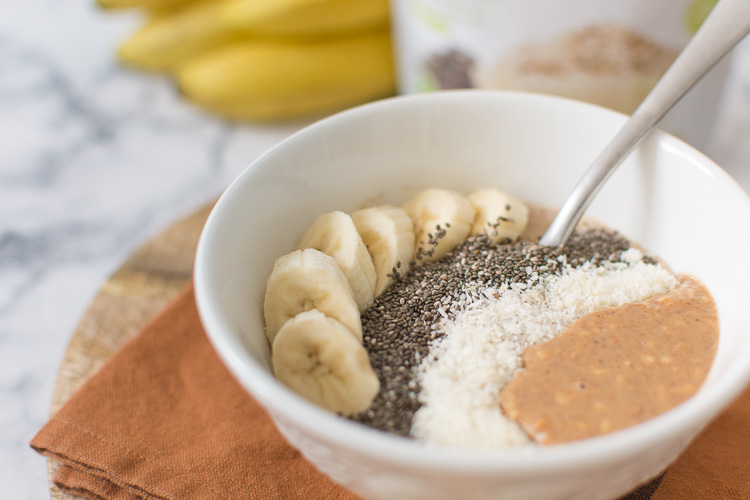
x: 609, y: 52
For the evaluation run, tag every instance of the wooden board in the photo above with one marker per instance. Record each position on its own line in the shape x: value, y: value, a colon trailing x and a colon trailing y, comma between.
x: 144, y: 284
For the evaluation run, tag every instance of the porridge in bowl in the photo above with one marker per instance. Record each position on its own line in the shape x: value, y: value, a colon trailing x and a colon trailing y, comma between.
x: 533, y: 147
x: 444, y: 321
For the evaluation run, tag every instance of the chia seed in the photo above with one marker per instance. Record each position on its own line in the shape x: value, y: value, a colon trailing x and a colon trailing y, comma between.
x: 399, y: 328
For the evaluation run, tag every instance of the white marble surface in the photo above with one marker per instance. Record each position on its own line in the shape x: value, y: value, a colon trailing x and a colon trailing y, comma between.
x: 94, y: 161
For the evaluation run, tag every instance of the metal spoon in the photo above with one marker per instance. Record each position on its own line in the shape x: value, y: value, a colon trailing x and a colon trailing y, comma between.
x: 727, y: 24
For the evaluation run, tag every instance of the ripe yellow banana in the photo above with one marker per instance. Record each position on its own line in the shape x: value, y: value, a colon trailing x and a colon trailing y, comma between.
x: 272, y: 80
x: 175, y: 34
x: 305, y: 17
x: 171, y: 38
x: 146, y: 4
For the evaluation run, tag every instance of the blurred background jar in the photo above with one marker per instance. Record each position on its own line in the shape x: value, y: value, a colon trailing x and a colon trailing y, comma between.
x: 607, y: 52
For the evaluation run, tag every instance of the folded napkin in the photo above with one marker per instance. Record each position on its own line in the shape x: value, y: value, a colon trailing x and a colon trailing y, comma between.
x: 164, y: 419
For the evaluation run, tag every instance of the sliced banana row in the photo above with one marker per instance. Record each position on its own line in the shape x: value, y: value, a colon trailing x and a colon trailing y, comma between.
x: 314, y: 295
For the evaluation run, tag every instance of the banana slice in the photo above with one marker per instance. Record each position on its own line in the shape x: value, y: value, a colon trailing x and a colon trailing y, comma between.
x: 304, y: 280
x: 335, y: 234
x: 499, y: 214
x: 318, y: 358
x: 449, y: 210
x: 388, y: 233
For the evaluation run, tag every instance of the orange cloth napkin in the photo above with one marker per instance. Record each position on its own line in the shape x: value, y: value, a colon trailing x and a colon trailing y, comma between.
x: 164, y: 419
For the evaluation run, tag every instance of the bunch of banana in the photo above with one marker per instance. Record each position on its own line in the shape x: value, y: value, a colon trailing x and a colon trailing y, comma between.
x: 343, y: 262
x: 266, y: 60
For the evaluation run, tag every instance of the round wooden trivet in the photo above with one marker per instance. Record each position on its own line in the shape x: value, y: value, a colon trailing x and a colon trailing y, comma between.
x: 145, y: 283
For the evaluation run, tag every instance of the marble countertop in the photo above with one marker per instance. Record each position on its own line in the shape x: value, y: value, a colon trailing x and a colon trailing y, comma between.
x: 94, y: 161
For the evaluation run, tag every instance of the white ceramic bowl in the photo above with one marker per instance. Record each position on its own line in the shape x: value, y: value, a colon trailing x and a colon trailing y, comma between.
x: 667, y: 196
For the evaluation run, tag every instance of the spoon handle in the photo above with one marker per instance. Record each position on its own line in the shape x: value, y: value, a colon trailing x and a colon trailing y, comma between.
x: 727, y: 24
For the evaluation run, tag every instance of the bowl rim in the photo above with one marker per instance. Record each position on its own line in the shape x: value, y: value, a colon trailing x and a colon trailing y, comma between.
x: 282, y: 403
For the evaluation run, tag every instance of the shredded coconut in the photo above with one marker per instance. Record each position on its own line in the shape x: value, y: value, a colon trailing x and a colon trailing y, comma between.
x: 465, y: 370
